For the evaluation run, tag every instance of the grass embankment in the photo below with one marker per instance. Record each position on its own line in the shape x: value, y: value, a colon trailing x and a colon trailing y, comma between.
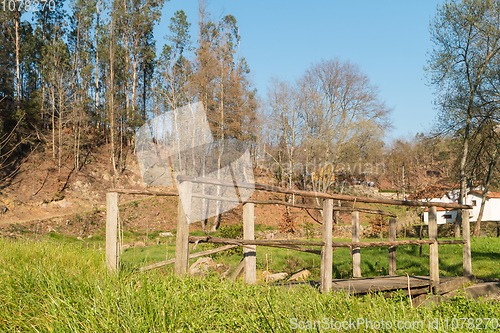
x: 50, y: 286
x: 374, y: 261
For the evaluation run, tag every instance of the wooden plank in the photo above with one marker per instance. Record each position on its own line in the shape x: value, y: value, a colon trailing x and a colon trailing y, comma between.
x: 249, y: 252
x: 293, y: 244
x: 192, y: 255
x: 327, y: 250
x: 144, y: 192
x: 414, y: 291
x: 392, y: 249
x: 467, y: 259
x: 446, y: 287
x: 383, y: 283
x: 112, y: 253
x: 356, y: 253
x: 291, y: 204
x: 270, y: 188
x: 182, y: 238
x: 433, y: 251
x: 238, y: 270
x: 245, y: 242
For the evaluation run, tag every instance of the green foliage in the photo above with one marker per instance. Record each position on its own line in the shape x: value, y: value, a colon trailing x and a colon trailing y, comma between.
x: 234, y: 231
x: 308, y: 227
x: 49, y: 286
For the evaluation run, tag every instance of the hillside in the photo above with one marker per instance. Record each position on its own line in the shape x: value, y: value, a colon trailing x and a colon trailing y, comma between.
x: 40, y: 200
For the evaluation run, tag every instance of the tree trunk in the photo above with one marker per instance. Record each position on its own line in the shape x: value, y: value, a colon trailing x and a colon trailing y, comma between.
x: 97, y: 65
x: 111, y: 101
x: 463, y: 179
x: 18, y: 70
x: 491, y: 167
x: 53, y: 95
x: 220, y: 149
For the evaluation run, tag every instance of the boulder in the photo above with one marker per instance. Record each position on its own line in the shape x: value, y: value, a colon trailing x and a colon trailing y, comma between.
x: 202, y: 266
x: 276, y: 277
x: 300, y: 275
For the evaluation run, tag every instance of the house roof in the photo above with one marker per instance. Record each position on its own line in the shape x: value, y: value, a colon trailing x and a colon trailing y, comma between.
x: 439, y: 209
x: 490, y: 195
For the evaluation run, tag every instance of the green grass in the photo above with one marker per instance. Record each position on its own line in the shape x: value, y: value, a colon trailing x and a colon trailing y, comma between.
x: 374, y: 261
x: 53, y: 286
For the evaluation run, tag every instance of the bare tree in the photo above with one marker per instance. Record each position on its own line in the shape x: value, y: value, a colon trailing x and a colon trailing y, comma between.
x: 345, y: 107
x: 466, y: 38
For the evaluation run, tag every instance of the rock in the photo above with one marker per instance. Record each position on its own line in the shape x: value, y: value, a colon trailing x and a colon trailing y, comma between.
x: 139, y: 244
x: 201, y: 266
x: 300, y: 275
x: 79, y: 238
x: 3, y: 209
x: 487, y: 291
x: 165, y: 234
x: 276, y: 277
x: 64, y: 203
x: 61, y: 204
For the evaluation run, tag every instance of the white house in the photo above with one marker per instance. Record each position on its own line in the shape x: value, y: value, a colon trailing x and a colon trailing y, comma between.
x: 473, y: 198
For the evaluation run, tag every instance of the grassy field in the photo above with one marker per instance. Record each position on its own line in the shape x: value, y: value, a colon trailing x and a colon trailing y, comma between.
x: 374, y: 261
x: 54, y: 286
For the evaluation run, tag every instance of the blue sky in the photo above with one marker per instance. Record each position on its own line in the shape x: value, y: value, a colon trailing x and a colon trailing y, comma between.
x: 389, y: 40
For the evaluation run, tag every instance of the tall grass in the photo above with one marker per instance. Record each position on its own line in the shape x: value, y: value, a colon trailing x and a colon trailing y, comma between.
x: 47, y: 286
x: 374, y: 261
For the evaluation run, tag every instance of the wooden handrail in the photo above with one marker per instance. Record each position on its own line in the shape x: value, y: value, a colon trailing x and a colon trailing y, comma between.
x: 276, y: 189
x: 276, y: 242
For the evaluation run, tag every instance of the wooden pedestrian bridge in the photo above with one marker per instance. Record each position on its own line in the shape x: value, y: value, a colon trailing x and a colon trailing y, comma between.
x: 415, y: 285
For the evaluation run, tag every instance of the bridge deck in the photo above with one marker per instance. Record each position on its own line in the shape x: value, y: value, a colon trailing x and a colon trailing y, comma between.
x: 418, y: 284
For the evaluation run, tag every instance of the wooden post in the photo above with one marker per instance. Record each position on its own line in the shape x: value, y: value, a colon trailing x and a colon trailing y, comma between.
x: 181, y: 265
x: 433, y: 248
x: 466, y: 247
x: 327, y: 249
x: 112, y: 254
x: 392, y: 249
x: 250, y: 252
x: 356, y: 254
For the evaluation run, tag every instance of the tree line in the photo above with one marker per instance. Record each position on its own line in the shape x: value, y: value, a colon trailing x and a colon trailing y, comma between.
x: 74, y: 80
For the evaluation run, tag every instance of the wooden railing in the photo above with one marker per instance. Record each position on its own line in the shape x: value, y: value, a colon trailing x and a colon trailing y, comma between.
x: 182, y: 255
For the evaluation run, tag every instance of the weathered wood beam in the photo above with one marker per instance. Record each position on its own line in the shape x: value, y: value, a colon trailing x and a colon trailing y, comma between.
x: 270, y: 188
x: 112, y: 254
x: 192, y: 255
x: 249, y: 253
x: 327, y: 250
x: 278, y: 242
x: 244, y: 242
x: 356, y: 253
x: 467, y: 259
x: 144, y: 192
x: 392, y: 249
x: 290, y: 204
x: 181, y: 239
x: 433, y: 247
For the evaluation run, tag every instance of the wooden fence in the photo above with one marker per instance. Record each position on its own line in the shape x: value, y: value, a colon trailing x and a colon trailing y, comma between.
x: 182, y: 255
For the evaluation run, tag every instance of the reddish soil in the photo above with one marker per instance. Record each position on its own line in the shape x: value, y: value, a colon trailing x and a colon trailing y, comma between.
x: 41, y: 199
